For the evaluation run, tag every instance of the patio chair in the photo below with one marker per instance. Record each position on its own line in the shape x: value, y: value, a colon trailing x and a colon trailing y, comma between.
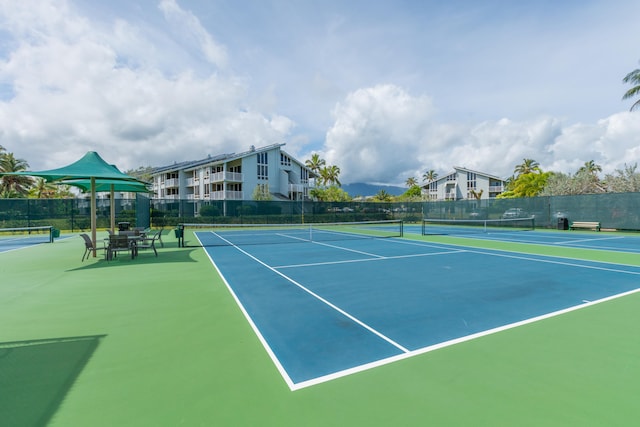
x: 88, y: 246
x: 118, y: 243
x: 149, y: 243
x: 160, y: 238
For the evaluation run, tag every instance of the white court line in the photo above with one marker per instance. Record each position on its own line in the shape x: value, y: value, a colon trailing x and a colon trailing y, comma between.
x: 550, y: 261
x: 348, y: 249
x: 318, y: 297
x: 430, y: 348
x: 407, y: 353
x: 380, y: 258
x: 570, y: 242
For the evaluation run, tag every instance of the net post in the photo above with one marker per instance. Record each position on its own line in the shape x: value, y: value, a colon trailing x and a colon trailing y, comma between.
x: 401, y: 228
x: 180, y: 229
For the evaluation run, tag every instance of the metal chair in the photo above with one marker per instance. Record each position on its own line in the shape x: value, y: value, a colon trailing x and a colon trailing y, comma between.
x: 88, y: 246
x: 149, y: 243
x: 119, y: 243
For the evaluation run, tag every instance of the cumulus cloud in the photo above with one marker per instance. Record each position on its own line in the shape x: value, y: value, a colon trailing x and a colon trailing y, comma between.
x: 143, y: 94
x: 377, y: 134
x: 384, y: 134
x: 73, y: 90
x: 188, y: 27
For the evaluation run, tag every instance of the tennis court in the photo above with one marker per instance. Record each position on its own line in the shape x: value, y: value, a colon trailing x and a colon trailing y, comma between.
x: 328, y: 307
x: 519, y: 231
x: 362, y: 338
x: 20, y: 237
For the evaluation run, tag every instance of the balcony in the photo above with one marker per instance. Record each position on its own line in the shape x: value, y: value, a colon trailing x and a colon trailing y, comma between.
x: 226, y: 176
x: 168, y: 183
x: 296, y: 188
x: 226, y: 195
x: 496, y: 189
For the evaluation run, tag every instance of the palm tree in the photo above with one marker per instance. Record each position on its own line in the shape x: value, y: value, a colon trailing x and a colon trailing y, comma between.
x: 382, y: 196
x: 476, y: 194
x: 43, y: 190
x: 14, y: 183
x: 411, y: 181
x: 315, y: 163
x: 329, y: 175
x: 430, y: 175
x: 527, y: 166
x: 591, y: 168
x: 634, y: 79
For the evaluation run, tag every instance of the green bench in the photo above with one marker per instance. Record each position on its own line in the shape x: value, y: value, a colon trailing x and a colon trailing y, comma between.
x: 590, y: 225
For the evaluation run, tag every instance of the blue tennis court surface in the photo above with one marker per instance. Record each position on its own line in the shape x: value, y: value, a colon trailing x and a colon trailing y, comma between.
x: 21, y: 241
x: 574, y: 239
x: 326, y: 309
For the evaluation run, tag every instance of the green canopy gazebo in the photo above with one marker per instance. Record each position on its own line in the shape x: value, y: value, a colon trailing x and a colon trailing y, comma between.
x: 110, y: 186
x: 92, y: 168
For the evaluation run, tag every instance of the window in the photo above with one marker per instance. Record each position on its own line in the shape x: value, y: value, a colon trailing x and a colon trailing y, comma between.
x: 471, y: 180
x: 263, y: 168
x: 285, y: 160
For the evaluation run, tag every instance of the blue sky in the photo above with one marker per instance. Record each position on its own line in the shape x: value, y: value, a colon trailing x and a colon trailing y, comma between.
x: 384, y: 89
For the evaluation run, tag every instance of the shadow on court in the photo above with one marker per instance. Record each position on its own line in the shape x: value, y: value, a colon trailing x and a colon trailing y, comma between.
x: 146, y: 257
x: 36, y: 376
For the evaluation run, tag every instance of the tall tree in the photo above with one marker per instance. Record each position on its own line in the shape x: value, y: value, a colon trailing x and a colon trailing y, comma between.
x: 633, y: 78
x: 590, y: 167
x: 527, y: 166
x: 329, y: 175
x: 410, y: 182
x: 315, y: 163
x: 382, y: 196
x: 43, y: 190
x: 429, y: 176
x: 11, y: 184
x: 527, y: 185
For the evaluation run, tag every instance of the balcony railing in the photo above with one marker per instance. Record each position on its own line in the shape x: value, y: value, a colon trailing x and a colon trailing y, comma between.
x: 296, y: 188
x: 496, y: 188
x: 226, y: 195
x: 173, y: 182
x: 226, y: 176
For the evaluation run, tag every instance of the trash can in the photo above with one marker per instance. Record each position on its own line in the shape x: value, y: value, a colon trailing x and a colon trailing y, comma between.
x: 55, y: 233
x: 178, y: 232
x: 123, y: 226
x: 563, y: 223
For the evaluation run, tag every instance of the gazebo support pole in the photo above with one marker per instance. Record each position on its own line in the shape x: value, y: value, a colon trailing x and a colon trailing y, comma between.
x: 93, y: 214
x: 113, y: 211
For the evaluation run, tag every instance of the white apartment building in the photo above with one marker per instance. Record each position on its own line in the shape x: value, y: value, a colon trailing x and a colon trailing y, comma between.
x: 463, y: 183
x: 235, y: 176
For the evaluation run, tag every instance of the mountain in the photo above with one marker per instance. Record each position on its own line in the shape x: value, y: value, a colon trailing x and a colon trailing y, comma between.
x: 362, y: 189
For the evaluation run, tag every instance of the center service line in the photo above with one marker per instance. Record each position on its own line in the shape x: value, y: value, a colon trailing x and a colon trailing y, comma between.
x: 310, y: 292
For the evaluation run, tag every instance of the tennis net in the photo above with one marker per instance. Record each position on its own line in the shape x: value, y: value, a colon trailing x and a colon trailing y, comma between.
x: 22, y: 236
x: 475, y: 226
x: 259, y: 234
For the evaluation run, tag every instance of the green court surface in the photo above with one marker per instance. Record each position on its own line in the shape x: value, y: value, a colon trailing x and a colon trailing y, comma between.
x: 161, y: 342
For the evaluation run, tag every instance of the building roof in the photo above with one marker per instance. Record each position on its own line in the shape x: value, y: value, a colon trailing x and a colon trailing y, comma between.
x: 459, y: 168
x: 463, y: 169
x: 220, y: 158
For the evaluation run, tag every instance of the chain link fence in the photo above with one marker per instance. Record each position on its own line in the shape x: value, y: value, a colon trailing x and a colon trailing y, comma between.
x: 618, y: 211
